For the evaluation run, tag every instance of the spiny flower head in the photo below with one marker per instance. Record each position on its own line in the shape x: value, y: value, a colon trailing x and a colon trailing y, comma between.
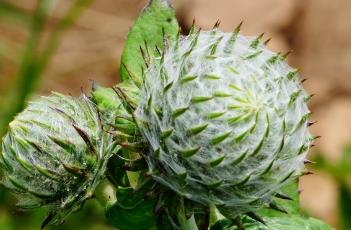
x: 225, y: 118
x: 55, y: 154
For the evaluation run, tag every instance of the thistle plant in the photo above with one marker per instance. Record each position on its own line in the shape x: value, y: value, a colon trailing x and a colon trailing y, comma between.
x: 206, y: 131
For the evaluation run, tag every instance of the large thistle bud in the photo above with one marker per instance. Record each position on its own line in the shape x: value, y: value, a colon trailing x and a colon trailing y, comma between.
x: 226, y: 120
x: 55, y: 154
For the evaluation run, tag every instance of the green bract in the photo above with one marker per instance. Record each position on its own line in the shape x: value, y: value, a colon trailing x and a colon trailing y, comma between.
x: 55, y: 154
x: 225, y: 120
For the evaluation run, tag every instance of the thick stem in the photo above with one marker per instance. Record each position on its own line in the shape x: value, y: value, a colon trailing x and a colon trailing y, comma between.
x: 105, y: 193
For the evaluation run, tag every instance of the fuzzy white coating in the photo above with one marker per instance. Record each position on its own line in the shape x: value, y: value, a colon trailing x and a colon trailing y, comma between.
x: 226, y: 119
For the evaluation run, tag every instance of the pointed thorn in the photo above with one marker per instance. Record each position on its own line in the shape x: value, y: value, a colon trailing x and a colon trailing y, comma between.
x: 283, y: 196
x: 192, y: 28
x: 256, y: 217
x: 303, y: 80
x: 132, y: 77
x: 260, y: 36
x: 166, y: 133
x: 158, y: 50
x: 75, y: 170
x: 146, y: 48
x: 142, y: 52
x: 254, y: 44
x: 177, y: 112
x: 237, y: 222
x: 179, y: 31
x: 93, y: 85
x: 299, y: 191
x: 308, y: 98
x: 238, y: 28
x: 129, y: 105
x: 292, y: 74
x: 306, y: 173
x: 82, y: 91
x: 306, y: 161
x: 310, y: 123
x: 47, y: 220
x: 85, y: 137
x: 267, y: 41
x: 137, y: 146
x: 100, y: 120
x: 287, y: 54
x: 216, y: 25
x: 277, y: 208
x: 190, y: 152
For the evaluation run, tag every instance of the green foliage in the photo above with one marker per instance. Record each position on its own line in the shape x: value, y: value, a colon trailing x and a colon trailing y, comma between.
x: 138, y: 218
x: 287, y: 223
x: 132, y: 211
x: 156, y: 20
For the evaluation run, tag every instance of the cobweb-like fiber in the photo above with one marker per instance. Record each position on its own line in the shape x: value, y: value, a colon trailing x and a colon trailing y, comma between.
x: 226, y: 120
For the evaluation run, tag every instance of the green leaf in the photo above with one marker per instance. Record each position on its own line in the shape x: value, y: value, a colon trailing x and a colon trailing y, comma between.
x: 139, y: 218
x: 345, y: 208
x: 111, y: 109
x: 106, y: 99
x: 286, y: 223
x: 115, y: 171
x: 221, y: 225
x: 155, y: 18
x: 131, y: 211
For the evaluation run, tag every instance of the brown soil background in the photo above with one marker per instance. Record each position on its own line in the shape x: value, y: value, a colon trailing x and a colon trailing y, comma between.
x: 319, y: 33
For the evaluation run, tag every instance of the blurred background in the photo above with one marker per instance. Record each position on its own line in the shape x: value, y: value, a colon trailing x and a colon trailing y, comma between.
x: 48, y: 45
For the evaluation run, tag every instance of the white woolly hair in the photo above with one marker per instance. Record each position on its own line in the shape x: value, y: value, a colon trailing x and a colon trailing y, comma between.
x: 226, y: 120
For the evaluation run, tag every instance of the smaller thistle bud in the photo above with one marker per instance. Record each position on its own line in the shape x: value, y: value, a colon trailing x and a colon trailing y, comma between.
x: 55, y: 154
